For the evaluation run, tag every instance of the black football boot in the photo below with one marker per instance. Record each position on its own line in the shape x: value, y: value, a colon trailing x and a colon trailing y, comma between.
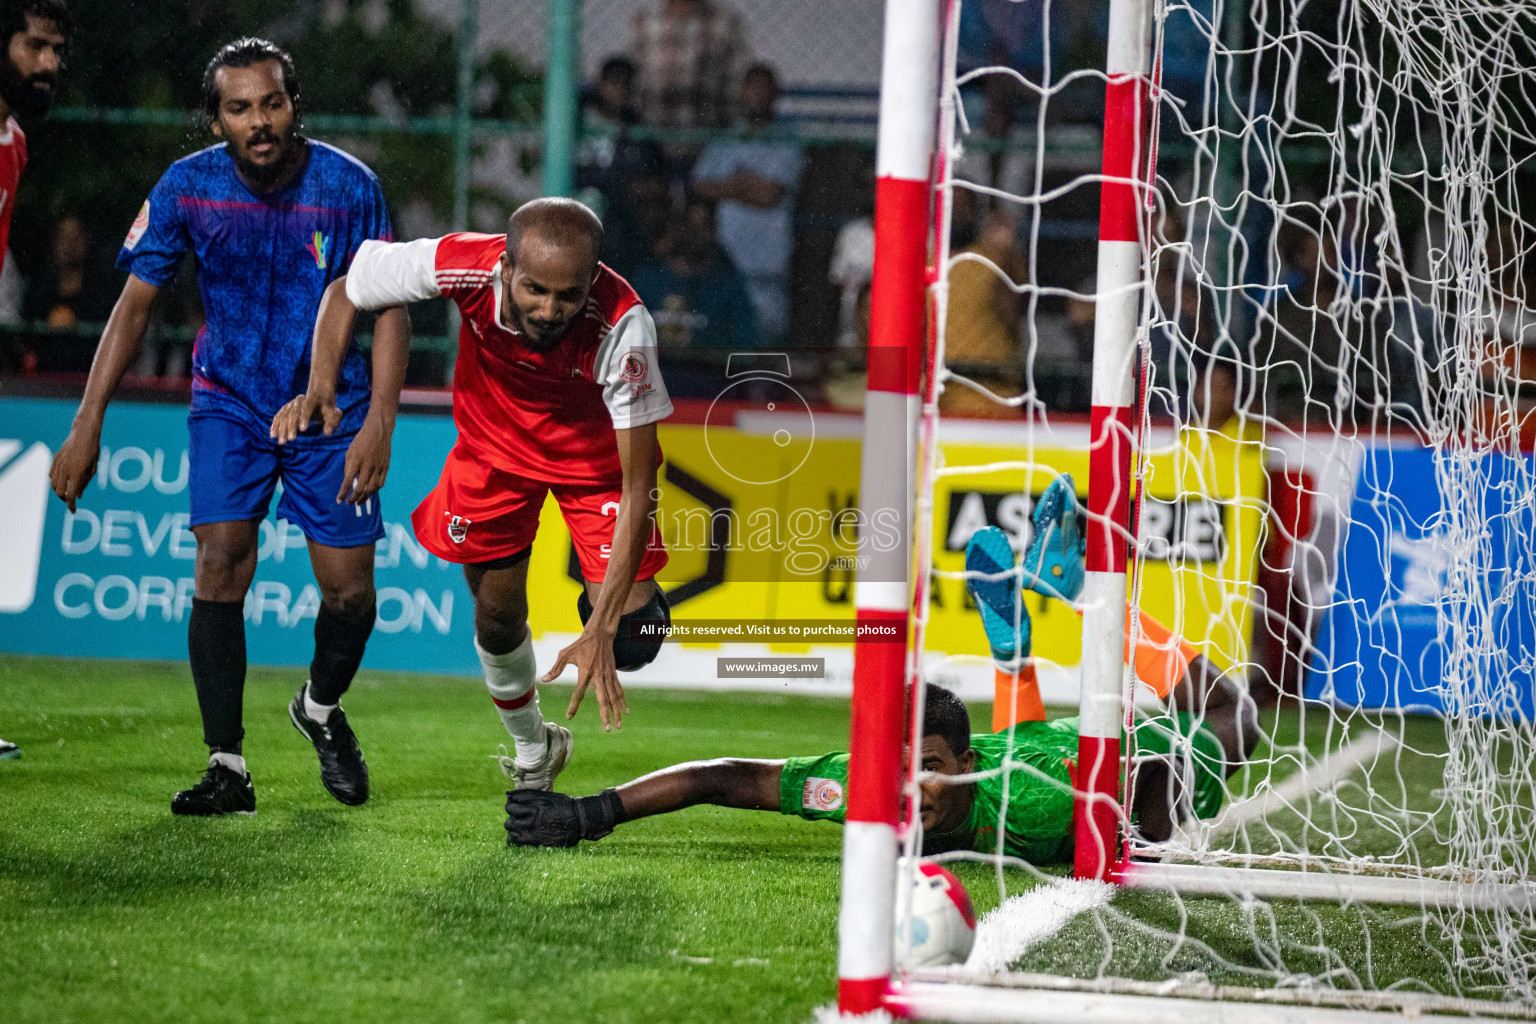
x: 221, y: 790
x: 343, y: 772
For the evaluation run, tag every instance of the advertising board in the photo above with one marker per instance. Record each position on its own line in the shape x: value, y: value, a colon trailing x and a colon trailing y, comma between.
x: 759, y: 530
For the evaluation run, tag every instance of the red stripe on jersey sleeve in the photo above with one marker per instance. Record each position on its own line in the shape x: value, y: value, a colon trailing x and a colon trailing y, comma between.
x: 466, y: 260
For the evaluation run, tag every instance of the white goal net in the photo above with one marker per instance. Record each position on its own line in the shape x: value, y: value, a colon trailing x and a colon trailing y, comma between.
x: 1333, y: 498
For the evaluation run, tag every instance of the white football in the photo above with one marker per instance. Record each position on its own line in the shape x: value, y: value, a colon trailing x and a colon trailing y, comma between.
x: 938, y: 918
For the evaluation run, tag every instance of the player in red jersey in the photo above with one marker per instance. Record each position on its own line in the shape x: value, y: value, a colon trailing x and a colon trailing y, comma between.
x: 33, y: 35
x: 556, y: 389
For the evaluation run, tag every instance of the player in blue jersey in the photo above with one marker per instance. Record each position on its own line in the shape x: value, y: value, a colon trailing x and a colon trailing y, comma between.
x: 272, y: 219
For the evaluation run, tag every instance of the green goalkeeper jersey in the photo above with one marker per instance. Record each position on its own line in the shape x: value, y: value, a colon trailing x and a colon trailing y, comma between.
x: 1037, y: 826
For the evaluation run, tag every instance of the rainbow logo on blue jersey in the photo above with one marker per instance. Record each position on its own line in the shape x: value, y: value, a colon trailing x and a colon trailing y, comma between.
x: 317, y: 249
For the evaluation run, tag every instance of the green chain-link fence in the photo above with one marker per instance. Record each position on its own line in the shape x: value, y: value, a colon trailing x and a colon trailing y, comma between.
x: 446, y: 99
x: 466, y: 108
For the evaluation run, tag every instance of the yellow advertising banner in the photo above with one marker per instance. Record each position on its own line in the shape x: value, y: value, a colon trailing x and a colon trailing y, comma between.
x: 762, y: 529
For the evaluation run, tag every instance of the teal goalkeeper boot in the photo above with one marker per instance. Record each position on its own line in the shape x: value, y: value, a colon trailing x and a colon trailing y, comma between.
x: 993, y: 581
x: 1053, y: 563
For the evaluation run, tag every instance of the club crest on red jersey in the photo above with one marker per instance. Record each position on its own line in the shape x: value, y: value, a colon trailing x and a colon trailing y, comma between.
x: 458, y: 527
x: 634, y: 369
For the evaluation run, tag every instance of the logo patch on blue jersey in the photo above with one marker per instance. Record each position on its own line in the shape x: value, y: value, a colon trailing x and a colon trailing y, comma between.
x: 317, y: 249
x: 140, y: 225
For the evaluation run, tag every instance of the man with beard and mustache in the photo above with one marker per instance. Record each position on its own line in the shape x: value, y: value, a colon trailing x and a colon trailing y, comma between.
x: 556, y: 389
x: 273, y: 218
x: 35, y: 34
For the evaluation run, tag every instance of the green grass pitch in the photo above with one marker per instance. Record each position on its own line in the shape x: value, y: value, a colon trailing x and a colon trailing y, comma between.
x: 412, y: 907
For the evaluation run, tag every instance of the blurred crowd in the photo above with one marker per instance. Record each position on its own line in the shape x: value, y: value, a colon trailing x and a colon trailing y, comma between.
x: 740, y: 233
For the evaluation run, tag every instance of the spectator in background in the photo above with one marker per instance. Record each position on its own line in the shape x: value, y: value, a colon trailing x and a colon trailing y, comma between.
x: 637, y: 217
x: 1191, y: 29
x: 1506, y: 317
x: 1303, y: 343
x: 1405, y: 338
x: 1218, y: 402
x: 1017, y: 34
x: 846, y: 379
x: 754, y: 180
x: 981, y: 333
x: 607, y: 114
x: 11, y: 288
x: 852, y: 270
x: 1077, y: 395
x: 608, y: 158
x: 70, y: 291
x: 1506, y: 330
x: 1182, y: 334
x: 14, y: 354
x: 621, y: 178
x: 689, y: 56
x: 696, y: 296
x: 610, y: 106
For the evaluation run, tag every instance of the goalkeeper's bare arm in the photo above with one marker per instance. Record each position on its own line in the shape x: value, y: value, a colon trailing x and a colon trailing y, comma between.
x: 1202, y: 743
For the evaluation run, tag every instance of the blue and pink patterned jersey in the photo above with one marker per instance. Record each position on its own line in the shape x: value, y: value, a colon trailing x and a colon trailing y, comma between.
x: 263, y: 262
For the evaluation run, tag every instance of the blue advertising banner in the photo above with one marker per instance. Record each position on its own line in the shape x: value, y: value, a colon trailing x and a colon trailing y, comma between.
x: 1380, y: 645
x: 114, y: 579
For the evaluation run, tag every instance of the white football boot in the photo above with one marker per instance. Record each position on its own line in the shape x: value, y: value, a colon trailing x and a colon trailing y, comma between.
x: 558, y: 744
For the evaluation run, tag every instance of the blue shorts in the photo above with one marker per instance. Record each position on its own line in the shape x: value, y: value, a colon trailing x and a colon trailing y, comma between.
x: 234, y: 468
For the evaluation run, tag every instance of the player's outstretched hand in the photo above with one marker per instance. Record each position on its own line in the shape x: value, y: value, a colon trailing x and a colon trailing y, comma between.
x: 537, y: 818
x: 295, y: 417
x: 592, y: 654
x: 75, y: 464
x: 367, y: 463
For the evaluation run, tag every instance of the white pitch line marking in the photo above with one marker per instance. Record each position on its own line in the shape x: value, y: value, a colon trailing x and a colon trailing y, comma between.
x: 1028, y: 919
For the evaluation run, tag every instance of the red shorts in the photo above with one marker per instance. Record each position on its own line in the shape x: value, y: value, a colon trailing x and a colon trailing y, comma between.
x: 479, y: 514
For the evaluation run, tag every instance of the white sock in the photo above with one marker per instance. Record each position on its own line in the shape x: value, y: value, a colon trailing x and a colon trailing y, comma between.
x: 234, y: 762
x: 316, y: 712
x: 511, y: 677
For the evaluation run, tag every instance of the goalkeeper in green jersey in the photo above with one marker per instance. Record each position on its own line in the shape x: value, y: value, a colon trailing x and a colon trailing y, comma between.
x: 1182, y: 756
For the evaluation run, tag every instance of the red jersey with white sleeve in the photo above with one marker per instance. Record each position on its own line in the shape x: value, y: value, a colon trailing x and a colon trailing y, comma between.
x: 13, y: 160
x: 545, y: 416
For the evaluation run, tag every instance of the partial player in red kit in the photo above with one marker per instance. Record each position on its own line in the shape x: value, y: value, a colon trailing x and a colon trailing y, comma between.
x: 33, y: 36
x: 556, y: 389
x: 13, y: 160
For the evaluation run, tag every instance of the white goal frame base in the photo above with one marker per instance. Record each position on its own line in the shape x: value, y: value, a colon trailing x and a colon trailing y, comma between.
x: 1267, y: 883
x: 1047, y: 999
x: 967, y: 997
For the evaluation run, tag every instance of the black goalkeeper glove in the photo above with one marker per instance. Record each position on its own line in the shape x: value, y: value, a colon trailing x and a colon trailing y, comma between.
x: 537, y: 818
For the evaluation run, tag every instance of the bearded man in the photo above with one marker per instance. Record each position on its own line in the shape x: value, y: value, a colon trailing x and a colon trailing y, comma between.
x: 273, y: 219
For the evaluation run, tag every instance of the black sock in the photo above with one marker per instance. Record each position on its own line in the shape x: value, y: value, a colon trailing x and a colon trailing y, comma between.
x: 339, y: 645
x: 216, y: 649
